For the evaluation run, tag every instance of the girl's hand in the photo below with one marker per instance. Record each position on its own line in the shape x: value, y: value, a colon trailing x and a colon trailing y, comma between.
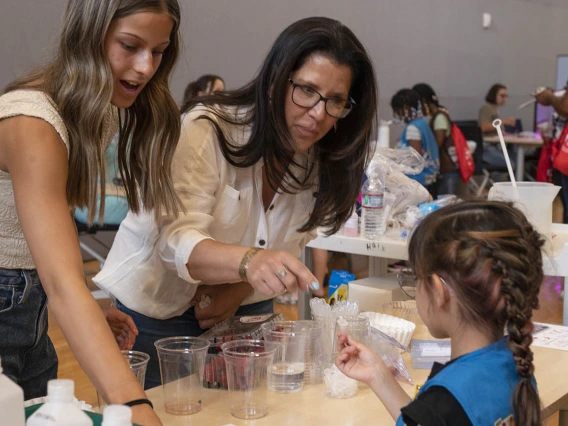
x: 122, y: 326
x: 357, y: 361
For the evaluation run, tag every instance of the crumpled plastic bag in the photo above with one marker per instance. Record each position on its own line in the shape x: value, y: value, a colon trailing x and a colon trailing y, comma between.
x: 388, y: 348
x: 404, y: 160
x: 408, y: 192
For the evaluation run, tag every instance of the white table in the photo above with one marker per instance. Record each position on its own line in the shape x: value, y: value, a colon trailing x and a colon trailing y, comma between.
x: 390, y: 247
x: 524, y: 140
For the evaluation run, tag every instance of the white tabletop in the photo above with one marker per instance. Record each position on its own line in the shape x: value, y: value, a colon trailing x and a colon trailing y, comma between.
x: 525, y: 138
x: 312, y: 407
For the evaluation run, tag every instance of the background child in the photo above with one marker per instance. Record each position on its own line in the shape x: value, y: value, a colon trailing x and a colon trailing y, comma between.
x: 407, y: 108
x: 479, y: 269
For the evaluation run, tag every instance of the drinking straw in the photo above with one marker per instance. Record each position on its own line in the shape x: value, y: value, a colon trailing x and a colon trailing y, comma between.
x: 497, y: 124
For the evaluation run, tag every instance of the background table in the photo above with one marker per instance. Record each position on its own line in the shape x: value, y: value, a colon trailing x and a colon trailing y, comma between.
x: 526, y: 140
x: 555, y: 257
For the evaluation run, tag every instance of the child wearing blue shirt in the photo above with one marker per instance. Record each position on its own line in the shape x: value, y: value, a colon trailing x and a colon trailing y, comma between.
x: 479, y: 269
x: 418, y: 135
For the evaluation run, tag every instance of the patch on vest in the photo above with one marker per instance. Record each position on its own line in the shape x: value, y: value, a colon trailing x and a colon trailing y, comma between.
x: 509, y: 421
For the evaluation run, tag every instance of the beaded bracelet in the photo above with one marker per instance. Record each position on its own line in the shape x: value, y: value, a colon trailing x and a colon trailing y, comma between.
x: 243, y: 267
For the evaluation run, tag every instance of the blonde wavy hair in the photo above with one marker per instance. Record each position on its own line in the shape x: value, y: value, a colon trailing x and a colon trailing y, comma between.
x: 79, y: 80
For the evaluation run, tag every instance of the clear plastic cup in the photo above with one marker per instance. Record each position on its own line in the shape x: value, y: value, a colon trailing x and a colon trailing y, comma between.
x: 358, y: 327
x: 315, y: 355
x: 138, y: 363
x: 248, y: 362
x: 328, y: 332
x: 290, y: 339
x: 182, y: 360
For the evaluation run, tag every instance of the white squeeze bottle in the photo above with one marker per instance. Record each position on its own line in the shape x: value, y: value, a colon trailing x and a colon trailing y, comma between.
x: 11, y: 402
x: 372, y: 207
x: 117, y: 415
x: 59, y: 410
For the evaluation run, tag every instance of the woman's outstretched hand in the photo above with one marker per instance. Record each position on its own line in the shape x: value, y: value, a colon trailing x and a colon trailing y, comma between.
x: 272, y: 272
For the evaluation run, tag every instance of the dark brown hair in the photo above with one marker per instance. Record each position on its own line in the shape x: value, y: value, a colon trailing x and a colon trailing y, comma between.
x: 491, y: 96
x: 490, y: 256
x: 340, y: 156
x: 79, y: 80
x: 204, y: 84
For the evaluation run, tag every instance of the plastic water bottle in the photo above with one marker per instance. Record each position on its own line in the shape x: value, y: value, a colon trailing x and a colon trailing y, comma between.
x: 59, y: 410
x: 372, y: 207
x: 117, y: 415
x: 11, y: 402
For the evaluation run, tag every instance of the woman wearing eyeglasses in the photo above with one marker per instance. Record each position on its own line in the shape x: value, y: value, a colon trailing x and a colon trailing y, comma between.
x: 496, y: 97
x: 258, y: 170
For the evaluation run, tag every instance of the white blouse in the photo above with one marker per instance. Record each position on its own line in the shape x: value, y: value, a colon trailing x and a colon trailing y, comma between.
x: 146, y: 267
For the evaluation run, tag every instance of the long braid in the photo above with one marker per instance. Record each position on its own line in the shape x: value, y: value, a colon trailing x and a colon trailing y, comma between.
x: 519, y: 265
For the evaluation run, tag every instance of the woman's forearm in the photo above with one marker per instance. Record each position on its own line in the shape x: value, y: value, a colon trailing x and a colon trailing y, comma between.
x: 560, y: 104
x: 213, y: 262
x: 486, y: 127
x: 91, y: 340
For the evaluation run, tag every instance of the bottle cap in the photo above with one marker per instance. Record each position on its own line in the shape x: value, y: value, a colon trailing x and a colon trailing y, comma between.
x: 60, y: 390
x: 117, y: 415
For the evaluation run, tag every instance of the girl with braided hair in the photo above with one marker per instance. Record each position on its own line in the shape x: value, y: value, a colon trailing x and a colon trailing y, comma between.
x: 479, y: 268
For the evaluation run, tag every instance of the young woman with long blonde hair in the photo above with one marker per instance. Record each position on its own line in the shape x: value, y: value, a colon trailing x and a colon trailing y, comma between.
x: 110, y: 73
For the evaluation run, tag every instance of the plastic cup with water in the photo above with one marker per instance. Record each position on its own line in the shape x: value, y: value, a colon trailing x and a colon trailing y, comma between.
x: 290, y: 339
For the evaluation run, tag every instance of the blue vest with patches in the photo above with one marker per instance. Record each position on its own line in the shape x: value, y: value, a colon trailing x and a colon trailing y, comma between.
x: 430, y: 151
x: 483, y: 383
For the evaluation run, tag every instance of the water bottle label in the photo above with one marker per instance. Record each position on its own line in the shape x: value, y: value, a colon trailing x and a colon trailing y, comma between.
x: 373, y: 201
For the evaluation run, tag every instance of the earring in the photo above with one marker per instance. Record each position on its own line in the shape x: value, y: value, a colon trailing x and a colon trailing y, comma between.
x: 335, y: 126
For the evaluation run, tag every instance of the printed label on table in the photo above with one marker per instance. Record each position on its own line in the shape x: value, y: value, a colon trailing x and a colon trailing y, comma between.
x: 438, y: 351
x: 550, y: 336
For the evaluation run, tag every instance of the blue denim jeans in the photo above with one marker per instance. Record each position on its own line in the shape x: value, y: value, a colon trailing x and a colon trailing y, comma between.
x: 151, y: 329
x: 448, y: 183
x: 493, y: 155
x: 28, y: 356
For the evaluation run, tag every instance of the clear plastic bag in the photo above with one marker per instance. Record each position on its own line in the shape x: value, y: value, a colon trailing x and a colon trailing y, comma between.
x: 404, y: 160
x: 408, y: 192
x: 388, y: 348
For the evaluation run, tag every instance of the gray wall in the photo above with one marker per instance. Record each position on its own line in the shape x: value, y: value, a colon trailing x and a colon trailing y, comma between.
x: 441, y: 42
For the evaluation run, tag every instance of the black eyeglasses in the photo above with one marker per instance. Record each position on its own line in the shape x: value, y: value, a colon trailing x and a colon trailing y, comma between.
x: 407, y: 282
x: 307, y: 97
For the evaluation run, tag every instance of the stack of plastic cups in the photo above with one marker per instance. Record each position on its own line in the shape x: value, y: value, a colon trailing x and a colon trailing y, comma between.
x: 315, y: 352
x: 328, y: 331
